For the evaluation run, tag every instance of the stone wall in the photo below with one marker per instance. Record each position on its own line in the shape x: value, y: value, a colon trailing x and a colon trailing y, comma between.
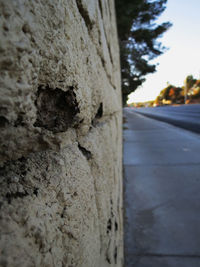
x: 60, y: 121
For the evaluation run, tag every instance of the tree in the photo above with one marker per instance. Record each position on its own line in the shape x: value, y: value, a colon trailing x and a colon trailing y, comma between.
x: 138, y: 36
x: 170, y: 95
x: 189, y: 82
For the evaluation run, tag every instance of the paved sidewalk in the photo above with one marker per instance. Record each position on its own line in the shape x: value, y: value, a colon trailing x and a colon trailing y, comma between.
x: 161, y: 194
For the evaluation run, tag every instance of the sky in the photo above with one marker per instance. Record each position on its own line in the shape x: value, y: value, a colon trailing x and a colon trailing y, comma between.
x: 183, y: 55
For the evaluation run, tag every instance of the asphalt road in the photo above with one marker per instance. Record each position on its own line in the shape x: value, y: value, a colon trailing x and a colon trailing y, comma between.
x: 184, y: 116
x: 161, y: 194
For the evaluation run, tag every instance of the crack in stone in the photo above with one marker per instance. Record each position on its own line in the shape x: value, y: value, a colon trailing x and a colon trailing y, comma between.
x: 3, y: 121
x: 98, y: 115
x: 115, y: 255
x: 84, y: 15
x: 104, y: 67
x: 85, y: 152
x: 89, y: 24
x: 10, y: 196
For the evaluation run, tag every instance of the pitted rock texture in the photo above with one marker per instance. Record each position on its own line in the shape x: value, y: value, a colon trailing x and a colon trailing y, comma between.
x: 60, y: 142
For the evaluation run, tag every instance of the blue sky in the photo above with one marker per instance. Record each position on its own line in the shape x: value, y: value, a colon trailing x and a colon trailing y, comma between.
x: 183, y: 56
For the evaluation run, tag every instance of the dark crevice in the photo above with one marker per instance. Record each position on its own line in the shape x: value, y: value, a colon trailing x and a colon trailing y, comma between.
x: 23, y: 160
x: 109, y: 226
x: 108, y: 75
x: 115, y: 255
x: 71, y: 236
x: 35, y: 191
x: 110, y: 8
x: 110, y: 54
x: 56, y: 109
x: 98, y: 115
x: 84, y: 15
x: 62, y: 214
x: 20, y: 120
x: 85, y: 152
x: 25, y: 28
x: 109, y: 50
x: 116, y: 226
x: 101, y: 8
x: 3, y: 121
x: 103, y: 63
x: 108, y: 259
x: 111, y: 208
x: 75, y: 194
x: 108, y: 45
x: 11, y: 196
x: 89, y: 24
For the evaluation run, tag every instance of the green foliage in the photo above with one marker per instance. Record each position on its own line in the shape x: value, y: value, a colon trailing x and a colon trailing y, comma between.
x: 138, y: 36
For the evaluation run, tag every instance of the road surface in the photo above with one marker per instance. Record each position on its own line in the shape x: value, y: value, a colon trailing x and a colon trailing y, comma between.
x: 184, y: 116
x: 161, y: 194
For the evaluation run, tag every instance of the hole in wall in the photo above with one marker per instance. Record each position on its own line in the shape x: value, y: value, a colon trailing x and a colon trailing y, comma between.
x: 56, y: 109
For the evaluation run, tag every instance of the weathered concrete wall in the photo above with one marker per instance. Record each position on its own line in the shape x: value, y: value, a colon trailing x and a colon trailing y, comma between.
x: 60, y: 121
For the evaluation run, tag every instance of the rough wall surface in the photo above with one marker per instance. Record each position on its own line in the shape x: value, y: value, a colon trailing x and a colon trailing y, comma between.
x: 60, y: 121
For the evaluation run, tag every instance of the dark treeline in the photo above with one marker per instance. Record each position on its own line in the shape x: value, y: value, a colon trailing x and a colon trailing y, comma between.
x: 138, y: 34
